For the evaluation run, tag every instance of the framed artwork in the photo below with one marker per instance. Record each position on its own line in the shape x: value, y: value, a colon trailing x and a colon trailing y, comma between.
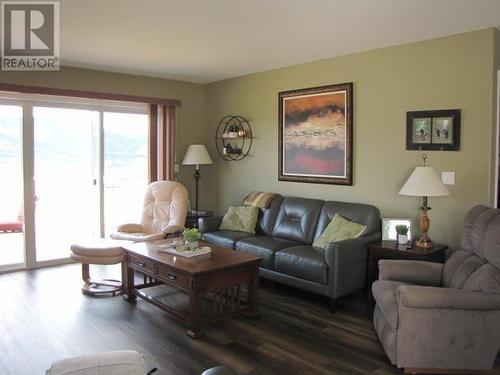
x: 315, y: 135
x: 389, y: 228
x: 433, y: 130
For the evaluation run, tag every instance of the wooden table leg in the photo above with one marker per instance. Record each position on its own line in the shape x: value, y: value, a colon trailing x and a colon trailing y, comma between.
x: 253, y: 295
x: 85, y: 272
x: 128, y: 281
x: 194, y: 319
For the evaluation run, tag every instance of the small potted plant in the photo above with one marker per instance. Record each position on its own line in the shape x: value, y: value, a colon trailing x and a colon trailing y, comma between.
x: 191, y: 236
x: 402, y: 231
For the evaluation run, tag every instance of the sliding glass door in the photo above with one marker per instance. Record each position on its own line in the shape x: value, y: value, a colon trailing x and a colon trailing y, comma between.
x: 125, y: 167
x: 65, y: 179
x: 83, y: 168
x: 11, y: 187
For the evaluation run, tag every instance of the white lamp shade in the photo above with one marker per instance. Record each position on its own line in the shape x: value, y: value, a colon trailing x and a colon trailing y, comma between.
x: 197, y: 155
x: 424, y: 182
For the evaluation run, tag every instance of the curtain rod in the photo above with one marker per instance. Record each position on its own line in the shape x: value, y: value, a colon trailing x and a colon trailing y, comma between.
x: 87, y: 94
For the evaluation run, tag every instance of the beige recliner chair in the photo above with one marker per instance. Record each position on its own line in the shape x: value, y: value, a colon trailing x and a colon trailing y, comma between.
x: 435, y: 316
x: 164, y: 213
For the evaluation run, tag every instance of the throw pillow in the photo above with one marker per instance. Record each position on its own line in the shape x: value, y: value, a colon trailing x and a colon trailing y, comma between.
x: 241, y: 219
x: 339, y: 229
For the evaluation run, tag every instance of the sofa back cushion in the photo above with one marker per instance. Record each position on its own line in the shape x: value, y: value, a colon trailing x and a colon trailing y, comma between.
x: 462, y: 270
x: 359, y: 213
x: 297, y: 219
x: 267, y: 217
x: 477, y: 265
x: 165, y: 205
x: 486, y: 279
x: 477, y: 224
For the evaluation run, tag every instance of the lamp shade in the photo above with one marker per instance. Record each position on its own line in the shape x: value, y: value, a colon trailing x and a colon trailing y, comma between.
x: 197, y: 155
x: 424, y: 182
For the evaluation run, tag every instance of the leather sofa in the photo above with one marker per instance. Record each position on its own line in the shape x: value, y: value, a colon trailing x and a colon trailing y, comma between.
x: 444, y: 316
x: 284, y: 235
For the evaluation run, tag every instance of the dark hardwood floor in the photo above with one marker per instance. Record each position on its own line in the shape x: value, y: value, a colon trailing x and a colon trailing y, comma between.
x: 44, y: 317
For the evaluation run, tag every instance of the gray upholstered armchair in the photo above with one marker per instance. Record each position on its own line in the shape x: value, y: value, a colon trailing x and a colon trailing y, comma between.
x: 437, y: 316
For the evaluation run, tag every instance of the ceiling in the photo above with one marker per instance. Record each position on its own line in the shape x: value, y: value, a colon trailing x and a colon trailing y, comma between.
x: 208, y: 40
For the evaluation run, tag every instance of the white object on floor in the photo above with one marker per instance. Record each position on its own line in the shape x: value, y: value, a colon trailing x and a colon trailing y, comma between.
x: 122, y: 362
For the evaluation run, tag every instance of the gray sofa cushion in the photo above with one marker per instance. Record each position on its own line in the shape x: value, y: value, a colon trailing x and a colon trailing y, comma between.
x: 297, y: 219
x: 267, y: 217
x: 465, y: 270
x: 385, y: 294
x: 453, y: 264
x: 480, y: 242
x: 225, y: 238
x: 359, y: 213
x: 476, y: 223
x: 492, y: 238
x: 305, y: 262
x: 486, y: 279
x: 264, y: 247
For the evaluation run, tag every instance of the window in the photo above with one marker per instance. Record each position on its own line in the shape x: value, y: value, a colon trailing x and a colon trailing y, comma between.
x: 89, y: 167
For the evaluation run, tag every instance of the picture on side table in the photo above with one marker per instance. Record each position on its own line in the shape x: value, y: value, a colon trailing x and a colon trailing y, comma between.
x: 433, y: 130
x: 315, y: 135
x: 389, y: 228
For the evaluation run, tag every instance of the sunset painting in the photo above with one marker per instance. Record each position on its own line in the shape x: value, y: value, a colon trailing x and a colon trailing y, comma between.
x: 316, y: 134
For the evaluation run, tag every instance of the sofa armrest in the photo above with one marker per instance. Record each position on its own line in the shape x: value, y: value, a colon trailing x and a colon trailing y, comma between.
x: 209, y: 224
x: 353, y: 248
x: 130, y: 228
x: 348, y: 250
x: 411, y: 271
x: 347, y: 264
x: 422, y: 297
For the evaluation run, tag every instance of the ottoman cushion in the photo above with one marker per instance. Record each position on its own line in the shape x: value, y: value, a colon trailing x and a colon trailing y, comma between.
x: 123, y: 362
x: 105, y: 248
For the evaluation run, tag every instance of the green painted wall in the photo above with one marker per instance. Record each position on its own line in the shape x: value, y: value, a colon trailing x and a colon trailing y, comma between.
x: 451, y: 72
x: 190, y: 116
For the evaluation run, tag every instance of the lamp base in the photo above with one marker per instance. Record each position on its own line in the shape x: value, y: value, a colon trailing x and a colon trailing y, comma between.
x: 424, y: 242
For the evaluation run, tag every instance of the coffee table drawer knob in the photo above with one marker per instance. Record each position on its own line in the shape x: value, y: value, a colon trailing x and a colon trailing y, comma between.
x: 171, y: 276
x: 141, y: 263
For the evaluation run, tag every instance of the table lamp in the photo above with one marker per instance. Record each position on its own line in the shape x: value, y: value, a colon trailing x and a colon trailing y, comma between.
x: 197, y: 155
x: 424, y: 182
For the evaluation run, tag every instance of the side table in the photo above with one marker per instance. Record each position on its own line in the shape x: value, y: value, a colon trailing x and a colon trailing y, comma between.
x: 392, y: 250
x: 193, y: 216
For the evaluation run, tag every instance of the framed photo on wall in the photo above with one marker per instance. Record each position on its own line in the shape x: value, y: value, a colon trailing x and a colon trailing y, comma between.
x: 315, y: 135
x: 433, y: 130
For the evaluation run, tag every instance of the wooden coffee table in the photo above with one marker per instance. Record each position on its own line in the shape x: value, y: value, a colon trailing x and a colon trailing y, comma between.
x: 219, y: 276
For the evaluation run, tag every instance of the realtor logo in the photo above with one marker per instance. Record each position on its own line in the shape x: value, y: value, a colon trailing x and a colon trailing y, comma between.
x: 30, y: 35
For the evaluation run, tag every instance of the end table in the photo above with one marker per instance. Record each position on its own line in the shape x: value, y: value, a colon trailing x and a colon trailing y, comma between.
x: 392, y: 250
x: 193, y: 216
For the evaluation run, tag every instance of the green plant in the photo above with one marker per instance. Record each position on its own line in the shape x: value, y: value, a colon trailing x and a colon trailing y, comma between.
x: 402, y: 229
x: 191, y: 235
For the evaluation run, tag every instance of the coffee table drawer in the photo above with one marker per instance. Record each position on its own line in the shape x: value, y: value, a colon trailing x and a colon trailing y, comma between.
x: 142, y: 264
x: 173, y: 276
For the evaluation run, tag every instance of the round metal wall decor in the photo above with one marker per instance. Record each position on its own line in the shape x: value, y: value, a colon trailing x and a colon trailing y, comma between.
x: 233, y: 137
